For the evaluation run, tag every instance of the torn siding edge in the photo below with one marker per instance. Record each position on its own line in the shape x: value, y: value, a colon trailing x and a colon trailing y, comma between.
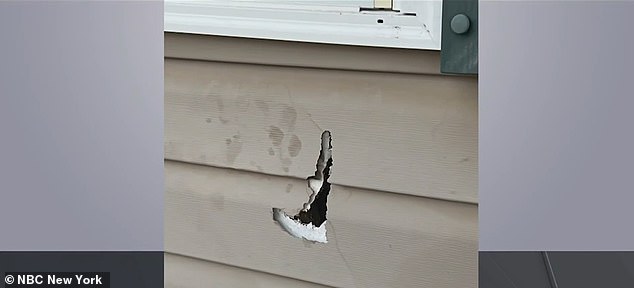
x: 307, y: 231
x: 310, y: 222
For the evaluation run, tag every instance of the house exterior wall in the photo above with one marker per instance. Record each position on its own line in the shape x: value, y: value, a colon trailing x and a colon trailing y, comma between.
x: 243, y: 119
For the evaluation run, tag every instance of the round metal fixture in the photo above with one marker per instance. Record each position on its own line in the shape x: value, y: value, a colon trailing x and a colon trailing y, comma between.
x: 460, y: 24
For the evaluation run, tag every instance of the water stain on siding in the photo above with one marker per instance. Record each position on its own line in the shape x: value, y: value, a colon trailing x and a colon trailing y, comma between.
x: 234, y: 147
x: 295, y: 145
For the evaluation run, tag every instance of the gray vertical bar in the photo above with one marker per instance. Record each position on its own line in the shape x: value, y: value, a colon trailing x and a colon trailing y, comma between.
x: 555, y: 125
x: 459, y: 52
x: 81, y: 125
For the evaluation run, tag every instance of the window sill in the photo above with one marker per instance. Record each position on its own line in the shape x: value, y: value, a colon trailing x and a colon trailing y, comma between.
x: 343, y: 26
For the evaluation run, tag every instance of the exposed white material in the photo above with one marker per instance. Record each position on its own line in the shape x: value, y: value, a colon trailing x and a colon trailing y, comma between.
x: 315, y: 182
x: 309, y: 231
x: 299, y: 230
x: 375, y: 239
x: 338, y: 22
x: 412, y: 134
x: 394, y: 132
x: 314, y: 185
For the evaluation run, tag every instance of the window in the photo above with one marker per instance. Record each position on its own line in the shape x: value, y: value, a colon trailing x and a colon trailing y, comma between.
x: 384, y: 23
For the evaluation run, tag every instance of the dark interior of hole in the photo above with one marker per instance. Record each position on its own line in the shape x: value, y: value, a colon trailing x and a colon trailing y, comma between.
x: 379, y: 21
x: 317, y: 212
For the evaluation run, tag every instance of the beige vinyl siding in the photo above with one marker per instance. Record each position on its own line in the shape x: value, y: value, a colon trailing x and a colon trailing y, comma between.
x: 377, y: 239
x: 187, y: 272
x: 300, y: 54
x: 401, y: 133
x: 241, y: 138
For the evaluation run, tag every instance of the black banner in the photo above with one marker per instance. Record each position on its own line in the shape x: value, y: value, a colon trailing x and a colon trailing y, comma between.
x: 81, y: 269
x: 57, y: 279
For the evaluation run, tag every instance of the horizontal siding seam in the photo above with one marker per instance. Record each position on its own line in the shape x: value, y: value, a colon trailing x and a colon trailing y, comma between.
x: 323, y: 68
x: 239, y: 267
x: 334, y: 183
x: 276, y: 51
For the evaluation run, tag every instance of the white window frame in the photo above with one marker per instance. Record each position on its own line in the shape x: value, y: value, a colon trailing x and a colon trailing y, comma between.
x: 334, y: 22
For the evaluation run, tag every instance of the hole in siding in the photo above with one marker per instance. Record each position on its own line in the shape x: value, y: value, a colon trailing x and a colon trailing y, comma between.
x: 309, y: 223
x: 379, y: 21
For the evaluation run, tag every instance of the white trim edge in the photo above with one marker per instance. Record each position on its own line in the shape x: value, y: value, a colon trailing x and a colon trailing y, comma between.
x: 347, y: 26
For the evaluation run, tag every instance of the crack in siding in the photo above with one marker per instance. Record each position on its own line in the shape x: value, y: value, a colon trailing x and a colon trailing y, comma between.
x: 354, y: 278
x: 310, y: 117
x: 309, y: 222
